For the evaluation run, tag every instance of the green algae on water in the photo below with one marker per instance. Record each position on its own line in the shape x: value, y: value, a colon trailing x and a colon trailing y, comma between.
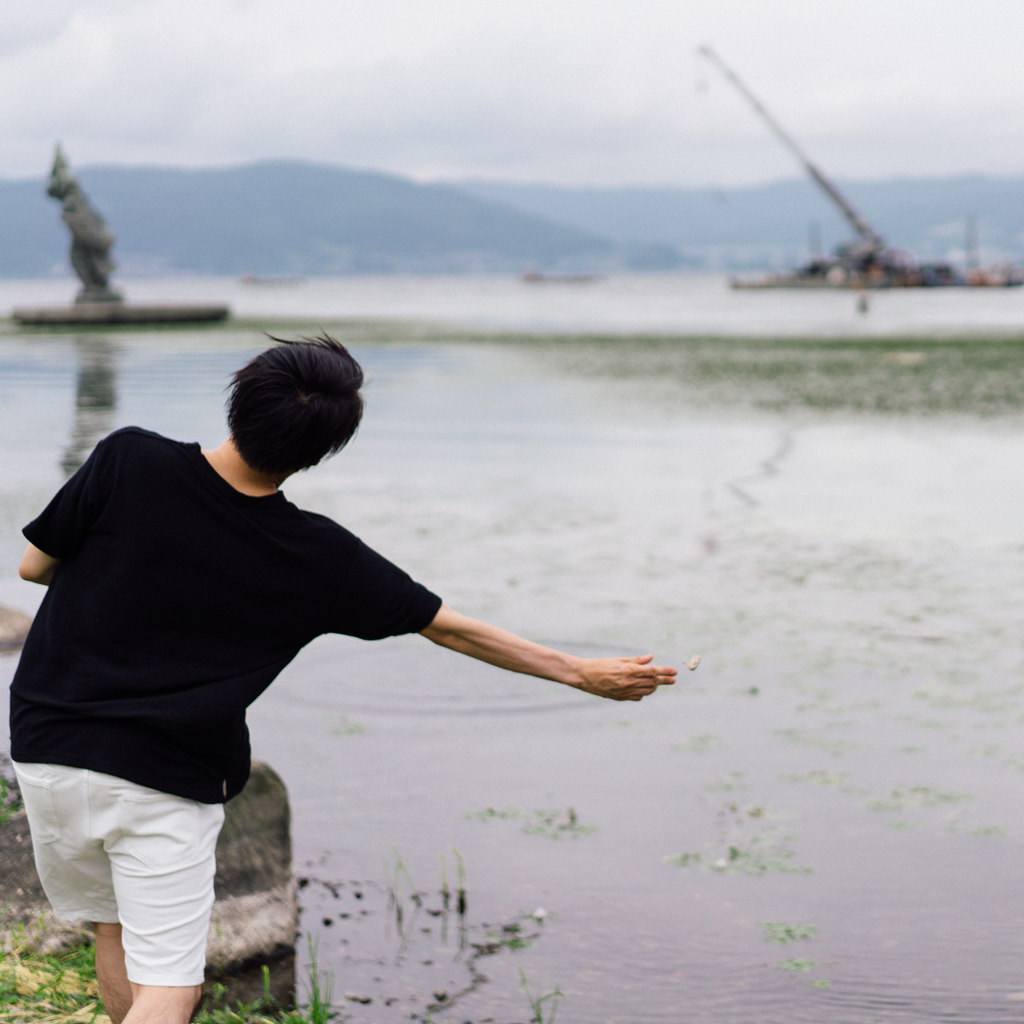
x: 551, y: 823
x: 781, y: 933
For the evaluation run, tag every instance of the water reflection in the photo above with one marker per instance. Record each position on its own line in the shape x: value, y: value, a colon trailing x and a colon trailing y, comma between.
x: 95, y: 399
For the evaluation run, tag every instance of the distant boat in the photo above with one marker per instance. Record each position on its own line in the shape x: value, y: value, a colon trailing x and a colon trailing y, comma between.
x: 536, y: 277
x: 270, y: 282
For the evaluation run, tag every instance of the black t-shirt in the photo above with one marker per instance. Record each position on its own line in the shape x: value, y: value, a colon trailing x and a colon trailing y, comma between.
x: 177, y: 601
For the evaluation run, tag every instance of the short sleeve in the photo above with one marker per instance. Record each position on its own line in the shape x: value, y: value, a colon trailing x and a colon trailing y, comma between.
x: 61, y: 528
x: 376, y: 599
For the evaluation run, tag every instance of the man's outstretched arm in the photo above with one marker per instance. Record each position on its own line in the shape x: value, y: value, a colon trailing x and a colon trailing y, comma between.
x: 615, y: 678
x: 37, y: 566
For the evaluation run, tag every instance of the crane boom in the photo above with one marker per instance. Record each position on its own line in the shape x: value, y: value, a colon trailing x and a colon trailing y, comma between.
x: 857, y: 222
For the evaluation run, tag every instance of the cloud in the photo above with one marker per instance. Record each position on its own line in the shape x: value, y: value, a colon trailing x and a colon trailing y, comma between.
x: 593, y: 91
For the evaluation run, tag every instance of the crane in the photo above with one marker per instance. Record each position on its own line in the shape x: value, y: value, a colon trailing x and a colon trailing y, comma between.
x: 869, y: 242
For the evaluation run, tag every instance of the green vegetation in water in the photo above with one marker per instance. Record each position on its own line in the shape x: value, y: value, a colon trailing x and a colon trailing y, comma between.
x: 317, y: 1008
x: 959, y: 694
x: 684, y: 860
x: 697, y: 744
x: 975, y: 376
x: 509, y: 936
x: 819, y: 777
x: 902, y: 798
x: 797, y: 965
x: 761, y: 852
x: 783, y: 934
x: 815, y: 697
x: 821, y: 983
x: 346, y: 727
x: 537, y: 1001
x: 554, y: 824
x: 979, y: 831
x: 805, y: 738
x: 764, y: 852
x: 732, y: 782
x: 493, y: 813
x: 396, y: 910
x: 319, y: 986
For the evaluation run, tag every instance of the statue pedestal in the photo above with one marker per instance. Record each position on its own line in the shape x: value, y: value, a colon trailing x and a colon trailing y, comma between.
x: 96, y: 293
x: 117, y: 313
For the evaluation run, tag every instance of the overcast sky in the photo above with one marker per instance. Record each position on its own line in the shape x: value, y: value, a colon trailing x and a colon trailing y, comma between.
x: 569, y: 91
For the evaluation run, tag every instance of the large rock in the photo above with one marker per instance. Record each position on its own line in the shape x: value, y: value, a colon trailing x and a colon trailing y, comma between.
x: 256, y: 911
x: 24, y: 911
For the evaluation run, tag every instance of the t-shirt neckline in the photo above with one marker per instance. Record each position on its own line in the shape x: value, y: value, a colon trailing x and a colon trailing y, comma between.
x: 275, y: 501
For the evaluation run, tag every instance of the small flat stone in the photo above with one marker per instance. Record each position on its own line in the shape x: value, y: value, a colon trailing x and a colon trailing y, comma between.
x: 693, y: 662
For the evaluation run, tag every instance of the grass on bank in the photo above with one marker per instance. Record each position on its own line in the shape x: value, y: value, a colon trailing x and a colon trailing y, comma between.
x: 37, y: 988
x: 44, y: 989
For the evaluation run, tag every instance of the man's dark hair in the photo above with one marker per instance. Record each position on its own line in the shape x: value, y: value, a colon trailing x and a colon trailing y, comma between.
x: 295, y: 404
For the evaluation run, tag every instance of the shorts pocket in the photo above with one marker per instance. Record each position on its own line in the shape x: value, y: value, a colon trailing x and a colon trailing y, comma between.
x: 37, y: 796
x: 162, y: 831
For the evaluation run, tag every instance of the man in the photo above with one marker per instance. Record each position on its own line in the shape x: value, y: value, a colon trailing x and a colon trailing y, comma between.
x: 181, y: 582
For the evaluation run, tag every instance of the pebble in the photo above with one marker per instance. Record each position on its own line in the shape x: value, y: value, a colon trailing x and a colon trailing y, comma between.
x: 693, y: 662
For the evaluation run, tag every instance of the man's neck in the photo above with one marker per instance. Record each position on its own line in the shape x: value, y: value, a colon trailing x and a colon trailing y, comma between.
x: 237, y: 472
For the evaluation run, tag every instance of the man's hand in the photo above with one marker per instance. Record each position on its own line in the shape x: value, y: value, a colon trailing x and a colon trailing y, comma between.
x: 622, y: 678
x: 614, y: 678
x: 37, y: 566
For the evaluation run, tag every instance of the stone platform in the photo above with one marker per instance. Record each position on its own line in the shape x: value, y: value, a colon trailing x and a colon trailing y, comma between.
x: 117, y: 313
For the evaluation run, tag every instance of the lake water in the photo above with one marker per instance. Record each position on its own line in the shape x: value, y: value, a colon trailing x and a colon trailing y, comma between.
x: 646, y: 303
x: 822, y: 823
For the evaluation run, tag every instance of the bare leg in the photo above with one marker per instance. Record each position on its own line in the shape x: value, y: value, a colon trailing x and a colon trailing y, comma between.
x: 159, y: 1004
x: 115, y: 989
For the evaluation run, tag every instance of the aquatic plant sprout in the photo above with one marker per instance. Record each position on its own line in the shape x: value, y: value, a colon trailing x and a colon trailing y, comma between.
x: 553, y: 824
x: 916, y: 796
x: 346, y: 727
x: 764, y: 852
x: 733, y: 781
x: 697, y: 744
x: 537, y: 1001
x: 782, y: 934
x: 819, y: 777
x: 797, y: 965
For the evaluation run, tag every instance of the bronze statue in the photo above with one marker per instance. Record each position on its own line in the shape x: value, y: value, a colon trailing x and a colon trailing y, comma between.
x: 91, y: 239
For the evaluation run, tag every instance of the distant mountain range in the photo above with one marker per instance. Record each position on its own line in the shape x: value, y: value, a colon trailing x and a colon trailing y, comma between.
x: 288, y: 217
x: 774, y: 224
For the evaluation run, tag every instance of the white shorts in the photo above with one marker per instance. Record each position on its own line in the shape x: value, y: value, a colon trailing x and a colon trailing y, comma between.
x: 113, y: 851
